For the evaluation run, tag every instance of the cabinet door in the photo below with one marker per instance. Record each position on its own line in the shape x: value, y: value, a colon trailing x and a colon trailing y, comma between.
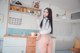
x: 11, y: 41
x: 14, y: 45
x: 14, y: 50
x: 30, y: 50
x: 31, y: 41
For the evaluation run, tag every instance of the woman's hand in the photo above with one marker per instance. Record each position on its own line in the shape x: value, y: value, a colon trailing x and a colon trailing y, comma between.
x: 38, y: 36
x: 36, y: 15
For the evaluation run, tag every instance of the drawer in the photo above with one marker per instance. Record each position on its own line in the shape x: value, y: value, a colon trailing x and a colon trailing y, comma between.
x: 30, y: 50
x: 31, y: 38
x: 31, y: 41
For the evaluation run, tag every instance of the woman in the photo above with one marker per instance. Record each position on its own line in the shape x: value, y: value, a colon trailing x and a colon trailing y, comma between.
x: 46, y: 29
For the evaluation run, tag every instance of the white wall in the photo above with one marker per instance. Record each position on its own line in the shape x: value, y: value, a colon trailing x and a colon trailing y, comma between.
x: 76, y: 26
x: 60, y: 26
x: 28, y: 21
x: 4, y: 12
x: 62, y: 29
x: 77, y: 30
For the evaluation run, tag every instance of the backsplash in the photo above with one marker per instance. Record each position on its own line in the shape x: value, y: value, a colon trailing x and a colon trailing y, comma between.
x: 15, y: 31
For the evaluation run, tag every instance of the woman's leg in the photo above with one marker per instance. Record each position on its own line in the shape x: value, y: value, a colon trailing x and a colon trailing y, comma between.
x: 43, y: 42
x: 50, y: 46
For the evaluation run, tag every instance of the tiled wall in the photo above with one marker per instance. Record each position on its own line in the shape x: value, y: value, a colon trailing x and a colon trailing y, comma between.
x: 20, y: 31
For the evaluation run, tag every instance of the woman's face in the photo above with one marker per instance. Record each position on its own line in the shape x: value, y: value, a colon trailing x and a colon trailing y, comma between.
x: 45, y: 14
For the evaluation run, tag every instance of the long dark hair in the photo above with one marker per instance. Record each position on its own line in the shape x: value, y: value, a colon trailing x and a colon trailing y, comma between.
x: 49, y: 18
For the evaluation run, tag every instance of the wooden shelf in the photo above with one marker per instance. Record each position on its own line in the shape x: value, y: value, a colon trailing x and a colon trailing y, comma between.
x: 23, y: 9
x: 24, y: 6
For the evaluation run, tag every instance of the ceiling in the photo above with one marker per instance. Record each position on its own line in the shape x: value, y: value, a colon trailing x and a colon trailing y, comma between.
x: 69, y: 5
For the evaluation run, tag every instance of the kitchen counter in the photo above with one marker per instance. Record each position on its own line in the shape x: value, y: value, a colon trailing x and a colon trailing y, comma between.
x: 18, y: 36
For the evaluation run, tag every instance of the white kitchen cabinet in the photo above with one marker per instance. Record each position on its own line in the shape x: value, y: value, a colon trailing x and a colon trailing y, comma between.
x: 11, y: 41
x: 14, y: 45
x: 14, y: 50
